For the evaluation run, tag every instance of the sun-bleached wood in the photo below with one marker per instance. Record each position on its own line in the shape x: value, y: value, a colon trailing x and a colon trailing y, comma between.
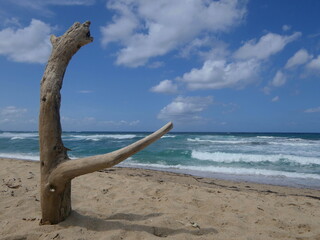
x: 68, y: 170
x: 57, y: 170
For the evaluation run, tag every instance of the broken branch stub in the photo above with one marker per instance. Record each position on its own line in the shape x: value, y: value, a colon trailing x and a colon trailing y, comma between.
x: 57, y: 170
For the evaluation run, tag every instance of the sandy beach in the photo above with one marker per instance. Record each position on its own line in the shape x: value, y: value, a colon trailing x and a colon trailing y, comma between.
x: 124, y: 203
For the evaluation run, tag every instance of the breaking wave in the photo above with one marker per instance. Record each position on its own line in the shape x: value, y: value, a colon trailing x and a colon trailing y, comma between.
x: 228, y: 170
x: 98, y: 137
x: 18, y: 136
x: 254, y: 158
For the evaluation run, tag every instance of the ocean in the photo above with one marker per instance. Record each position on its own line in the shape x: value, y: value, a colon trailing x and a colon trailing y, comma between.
x: 290, y: 159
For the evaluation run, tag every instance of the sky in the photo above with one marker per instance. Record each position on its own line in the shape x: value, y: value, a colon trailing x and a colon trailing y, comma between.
x: 212, y: 66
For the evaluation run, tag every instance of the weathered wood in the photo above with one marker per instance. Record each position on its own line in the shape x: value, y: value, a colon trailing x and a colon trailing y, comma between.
x: 57, y: 170
x: 68, y: 170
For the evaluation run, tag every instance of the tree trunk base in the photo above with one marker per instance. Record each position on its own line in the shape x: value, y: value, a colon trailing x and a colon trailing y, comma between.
x: 56, y: 207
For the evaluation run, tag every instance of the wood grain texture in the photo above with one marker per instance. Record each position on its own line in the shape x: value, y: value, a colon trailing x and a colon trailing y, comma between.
x: 57, y: 170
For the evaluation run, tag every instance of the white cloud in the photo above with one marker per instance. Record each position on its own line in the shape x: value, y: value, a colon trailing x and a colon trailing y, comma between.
x: 219, y: 51
x: 91, y: 123
x: 85, y: 91
x: 266, y: 90
x: 185, y: 108
x: 267, y: 45
x: 148, y: 29
x: 11, y: 114
x: 229, y: 107
x: 66, y: 2
x: 12, y: 111
x: 123, y: 26
x: 279, y: 79
x: 120, y: 123
x: 217, y: 74
x: 314, y: 64
x: 165, y: 86
x: 312, y: 110
x: 299, y: 58
x: 156, y: 64
x: 42, y: 6
x: 286, y: 27
x: 195, y: 45
x: 223, y: 69
x: 30, y: 44
x: 12, y: 22
x: 275, y: 99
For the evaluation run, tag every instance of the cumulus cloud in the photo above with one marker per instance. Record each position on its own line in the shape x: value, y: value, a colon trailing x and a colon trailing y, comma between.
x: 299, y: 58
x: 194, y: 46
x: 185, y: 108
x: 148, y: 29
x: 30, y: 44
x: 267, y: 45
x: 314, y: 64
x: 312, y: 110
x: 166, y: 86
x: 123, y: 26
x: 217, y: 74
x: 218, y: 51
x: 275, y: 99
x: 223, y: 69
x: 279, y: 79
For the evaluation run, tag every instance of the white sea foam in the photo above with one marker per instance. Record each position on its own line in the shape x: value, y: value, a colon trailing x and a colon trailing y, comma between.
x: 18, y: 136
x: 24, y: 156
x: 296, y: 143
x: 218, y: 141
x: 265, y: 137
x: 291, y: 141
x: 227, y: 170
x: 98, y: 137
x: 168, y: 136
x: 241, y: 157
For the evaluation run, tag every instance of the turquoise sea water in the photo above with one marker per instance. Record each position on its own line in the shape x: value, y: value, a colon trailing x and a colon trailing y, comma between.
x: 273, y: 158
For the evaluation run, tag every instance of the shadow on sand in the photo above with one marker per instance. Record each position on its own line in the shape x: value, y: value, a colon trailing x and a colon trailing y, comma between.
x: 125, y: 221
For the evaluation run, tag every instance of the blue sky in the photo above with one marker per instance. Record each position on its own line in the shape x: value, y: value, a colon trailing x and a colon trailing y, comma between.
x: 205, y: 65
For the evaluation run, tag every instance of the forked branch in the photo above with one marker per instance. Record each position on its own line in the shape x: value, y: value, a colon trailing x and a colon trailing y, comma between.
x: 57, y: 170
x: 68, y: 170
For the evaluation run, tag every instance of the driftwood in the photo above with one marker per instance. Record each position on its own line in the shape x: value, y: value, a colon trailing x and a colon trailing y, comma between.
x: 57, y: 170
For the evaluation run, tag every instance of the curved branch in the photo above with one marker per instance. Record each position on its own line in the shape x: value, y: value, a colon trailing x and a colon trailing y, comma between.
x: 68, y: 170
x: 56, y: 169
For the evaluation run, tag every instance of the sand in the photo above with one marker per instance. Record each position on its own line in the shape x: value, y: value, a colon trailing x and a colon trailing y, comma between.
x: 123, y: 203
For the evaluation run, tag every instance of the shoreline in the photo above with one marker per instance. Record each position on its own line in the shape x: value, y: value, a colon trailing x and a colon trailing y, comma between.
x: 127, y: 203
x: 301, y: 183
x: 254, y: 179
x: 208, y: 177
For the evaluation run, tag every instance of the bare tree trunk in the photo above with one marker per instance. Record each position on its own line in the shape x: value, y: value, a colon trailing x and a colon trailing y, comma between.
x: 56, y: 169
